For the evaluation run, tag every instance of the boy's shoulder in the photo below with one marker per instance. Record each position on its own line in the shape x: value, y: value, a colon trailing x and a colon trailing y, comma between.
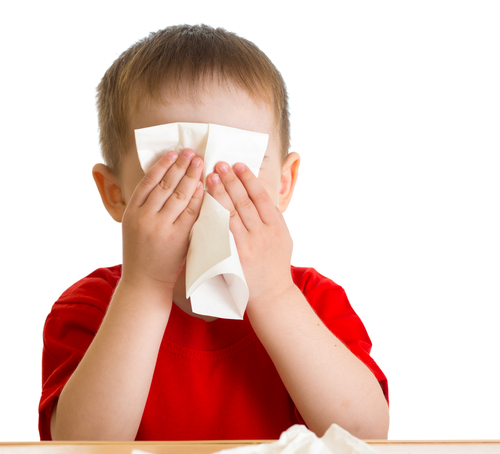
x: 307, y: 276
x: 317, y: 288
x: 95, y: 289
x: 330, y: 302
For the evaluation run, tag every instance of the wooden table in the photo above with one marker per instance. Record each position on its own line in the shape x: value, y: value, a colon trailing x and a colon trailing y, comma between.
x: 209, y: 447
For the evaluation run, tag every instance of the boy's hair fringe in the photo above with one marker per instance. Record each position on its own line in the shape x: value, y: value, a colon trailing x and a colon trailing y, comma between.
x: 178, y: 60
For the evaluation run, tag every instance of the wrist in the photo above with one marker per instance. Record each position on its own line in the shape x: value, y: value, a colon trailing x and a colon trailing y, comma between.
x: 147, y: 279
x: 146, y: 291
x: 279, y: 297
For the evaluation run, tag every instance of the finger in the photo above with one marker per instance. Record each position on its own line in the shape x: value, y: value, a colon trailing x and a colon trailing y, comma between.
x: 167, y: 185
x: 217, y: 190
x: 257, y: 193
x: 188, y: 217
x: 151, y: 179
x: 182, y: 194
x: 239, y: 196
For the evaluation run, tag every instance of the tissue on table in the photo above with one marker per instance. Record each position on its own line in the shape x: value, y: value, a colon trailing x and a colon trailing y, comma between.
x: 300, y: 440
x: 214, y: 278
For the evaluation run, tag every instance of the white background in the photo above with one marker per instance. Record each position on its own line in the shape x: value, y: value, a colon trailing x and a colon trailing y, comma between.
x: 395, y: 110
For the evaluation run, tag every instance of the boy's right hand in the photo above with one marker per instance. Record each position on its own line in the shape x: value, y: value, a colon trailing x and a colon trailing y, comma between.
x: 158, y: 219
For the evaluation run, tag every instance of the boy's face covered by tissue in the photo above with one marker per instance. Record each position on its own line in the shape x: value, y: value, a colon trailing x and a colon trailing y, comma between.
x: 214, y: 280
x: 216, y: 105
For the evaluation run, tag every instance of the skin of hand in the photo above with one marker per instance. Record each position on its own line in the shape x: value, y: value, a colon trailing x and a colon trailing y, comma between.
x: 158, y: 219
x: 259, y: 229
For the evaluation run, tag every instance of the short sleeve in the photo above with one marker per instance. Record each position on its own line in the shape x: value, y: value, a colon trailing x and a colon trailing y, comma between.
x: 69, y: 330
x: 330, y: 303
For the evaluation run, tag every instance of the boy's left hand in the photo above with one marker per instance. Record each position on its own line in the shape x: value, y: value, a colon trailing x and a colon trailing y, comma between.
x: 260, y: 232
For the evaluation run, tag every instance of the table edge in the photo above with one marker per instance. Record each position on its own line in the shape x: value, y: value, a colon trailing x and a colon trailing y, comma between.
x: 232, y: 442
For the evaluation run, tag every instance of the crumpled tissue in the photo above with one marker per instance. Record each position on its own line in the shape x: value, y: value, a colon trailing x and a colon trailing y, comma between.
x: 215, y: 282
x: 299, y: 439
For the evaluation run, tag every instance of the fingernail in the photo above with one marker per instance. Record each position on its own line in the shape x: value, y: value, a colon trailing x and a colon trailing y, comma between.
x: 172, y: 155
x: 223, y: 168
x: 215, y: 178
x: 188, y: 153
x: 239, y: 167
x: 195, y: 162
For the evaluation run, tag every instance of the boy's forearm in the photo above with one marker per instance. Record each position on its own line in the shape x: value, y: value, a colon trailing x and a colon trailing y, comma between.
x: 326, y: 381
x: 106, y: 395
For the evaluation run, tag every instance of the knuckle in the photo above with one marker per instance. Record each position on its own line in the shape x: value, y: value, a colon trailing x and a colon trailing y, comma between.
x: 179, y: 195
x: 165, y: 185
x: 218, y: 189
x: 147, y: 181
x: 191, y: 211
x: 244, y: 203
x: 230, y: 178
x: 262, y: 197
x: 191, y: 176
x: 181, y: 163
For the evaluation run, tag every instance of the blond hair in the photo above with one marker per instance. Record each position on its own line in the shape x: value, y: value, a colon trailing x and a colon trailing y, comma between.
x: 176, y: 58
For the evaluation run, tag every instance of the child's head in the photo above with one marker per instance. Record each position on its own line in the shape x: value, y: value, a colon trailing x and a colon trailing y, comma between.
x: 189, y: 74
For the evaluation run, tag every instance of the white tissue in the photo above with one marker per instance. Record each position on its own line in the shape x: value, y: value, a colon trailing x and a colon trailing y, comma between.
x: 214, y: 278
x: 300, y: 440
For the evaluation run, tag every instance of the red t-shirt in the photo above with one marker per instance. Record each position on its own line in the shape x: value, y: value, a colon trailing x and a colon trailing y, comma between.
x: 213, y: 380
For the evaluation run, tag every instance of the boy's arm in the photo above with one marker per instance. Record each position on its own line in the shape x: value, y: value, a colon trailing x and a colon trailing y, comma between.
x: 105, y: 396
x: 327, y: 383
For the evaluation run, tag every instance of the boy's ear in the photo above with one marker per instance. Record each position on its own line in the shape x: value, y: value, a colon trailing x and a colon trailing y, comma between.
x: 109, y: 188
x: 289, y: 175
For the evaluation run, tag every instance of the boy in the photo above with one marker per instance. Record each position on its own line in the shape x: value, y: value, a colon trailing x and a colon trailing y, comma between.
x: 124, y: 356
